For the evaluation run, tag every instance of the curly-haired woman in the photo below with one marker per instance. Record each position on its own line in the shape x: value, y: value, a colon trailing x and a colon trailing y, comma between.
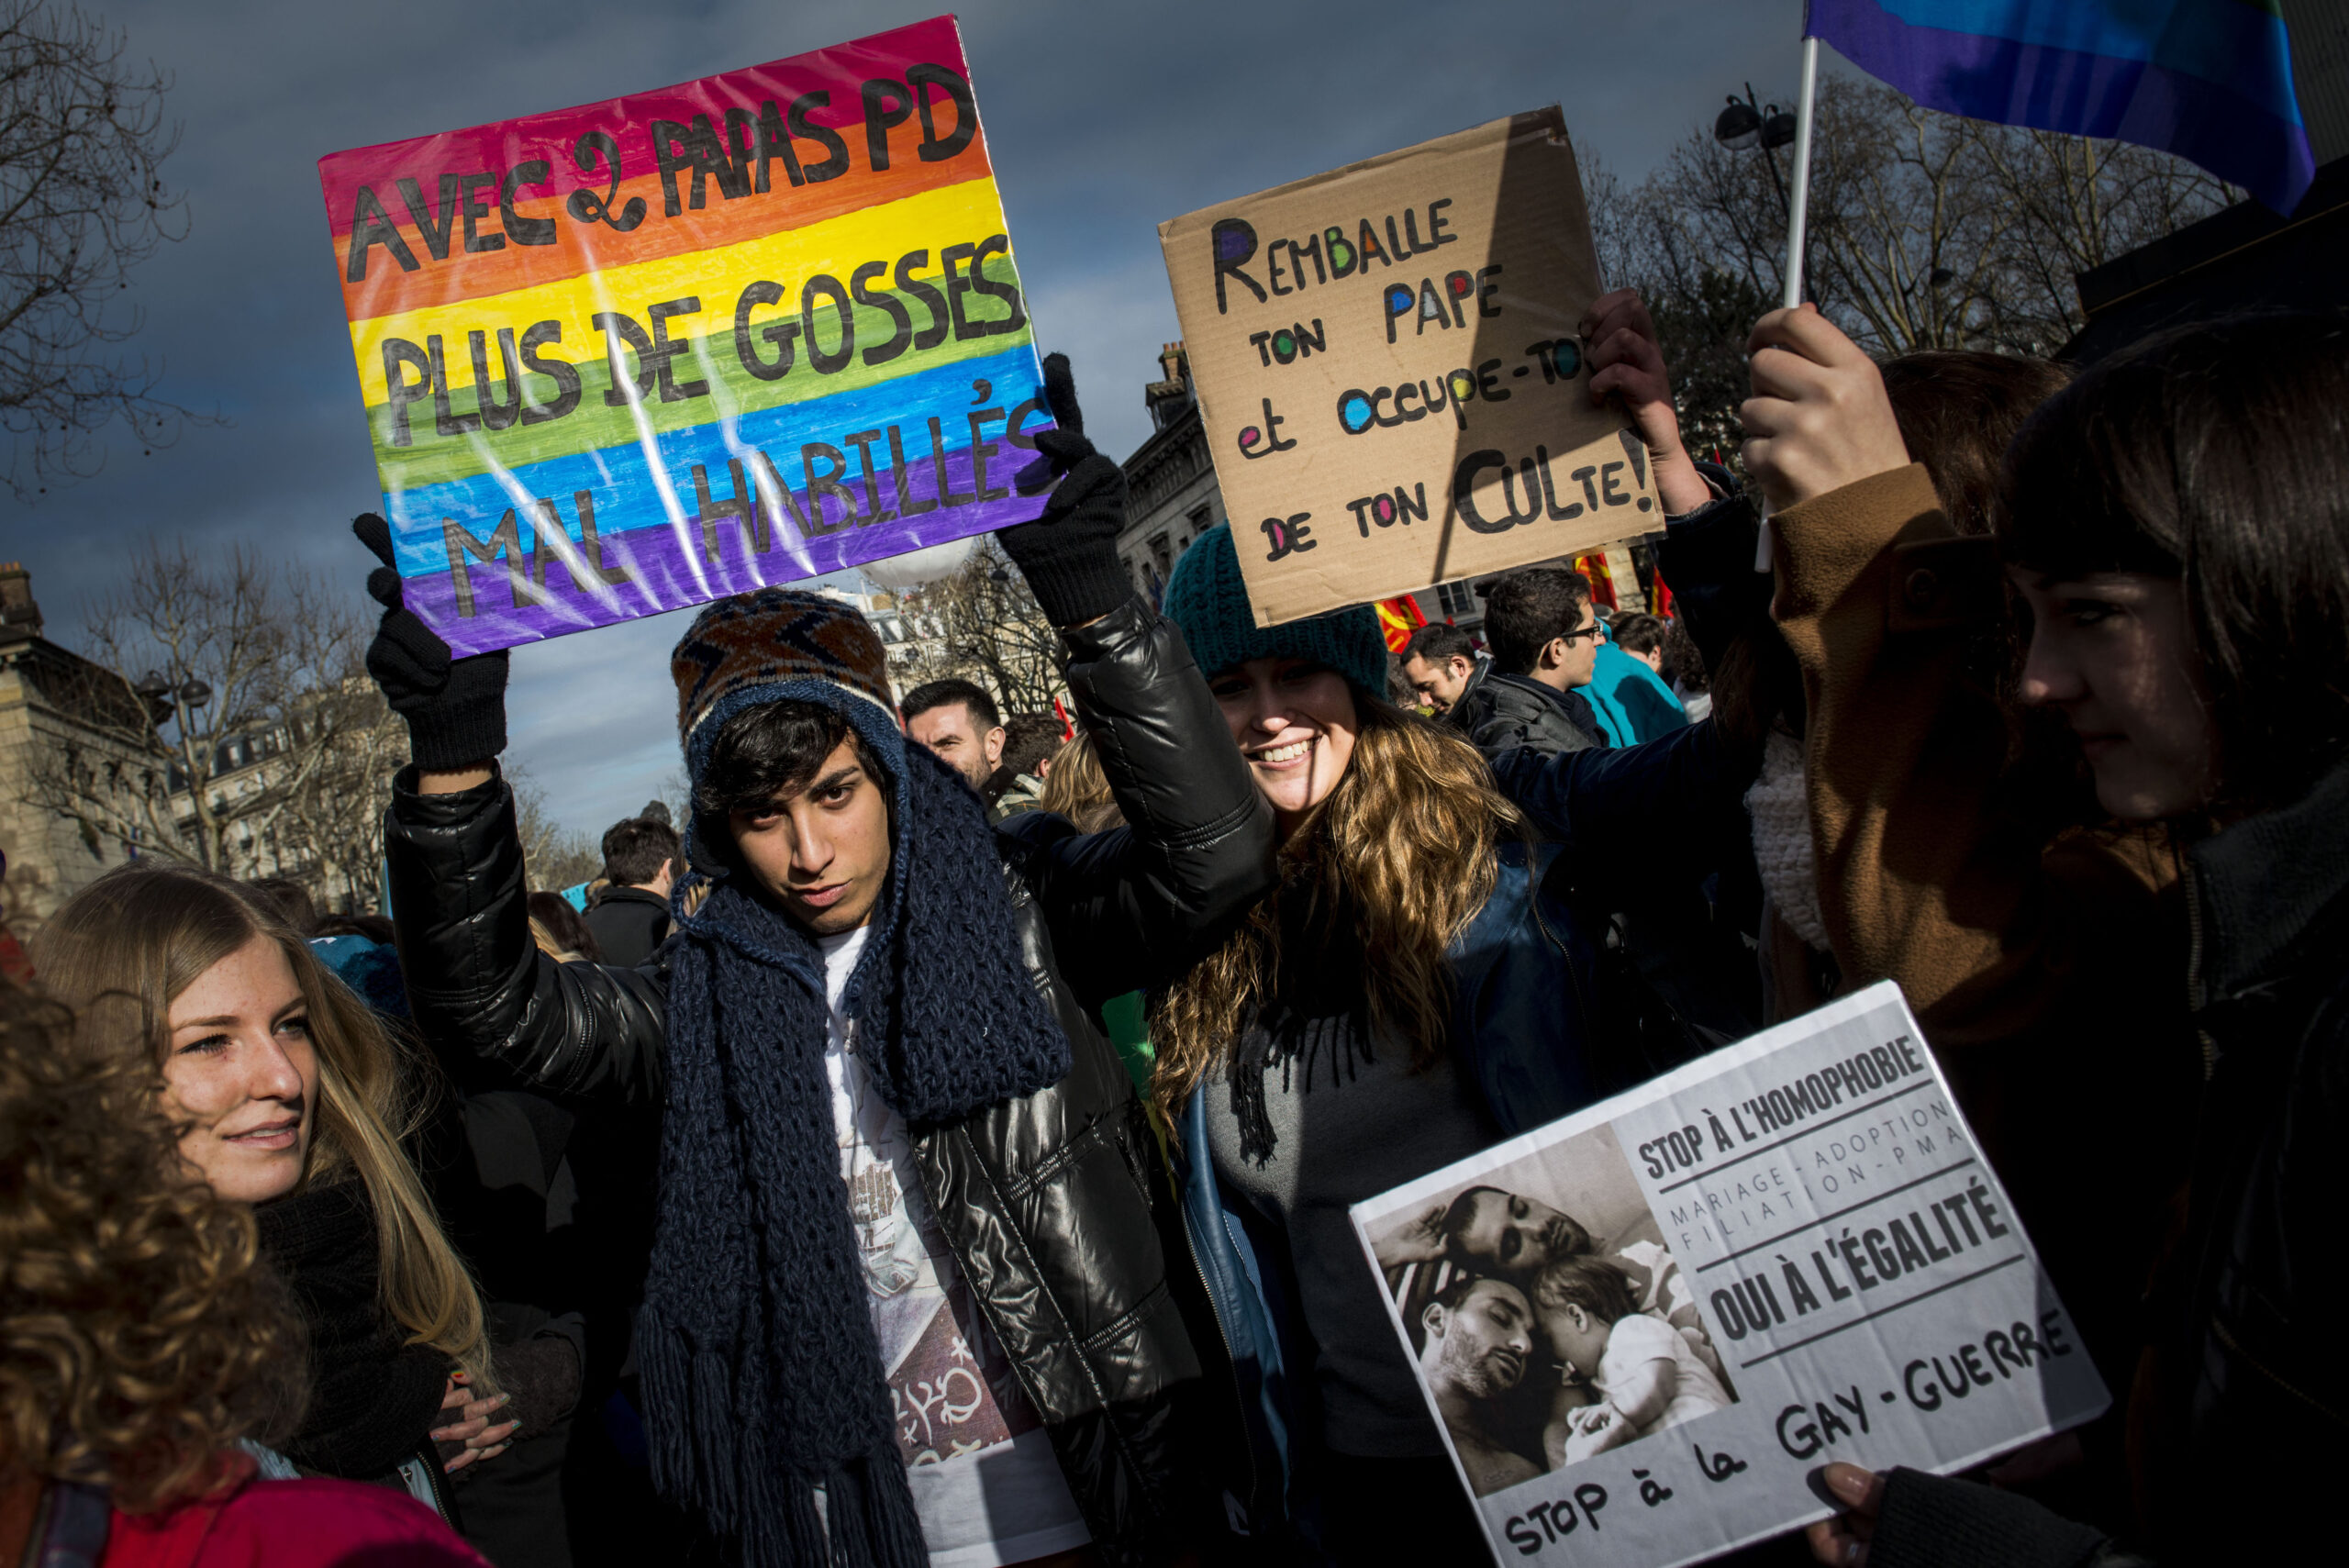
x: 141, y: 1341
x: 289, y: 1097
x: 1419, y: 984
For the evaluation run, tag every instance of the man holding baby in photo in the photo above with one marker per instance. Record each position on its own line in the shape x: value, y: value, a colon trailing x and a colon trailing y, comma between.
x: 1530, y: 1290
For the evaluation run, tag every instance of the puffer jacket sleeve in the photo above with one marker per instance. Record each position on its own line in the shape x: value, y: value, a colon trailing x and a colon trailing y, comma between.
x: 1131, y: 908
x: 476, y: 982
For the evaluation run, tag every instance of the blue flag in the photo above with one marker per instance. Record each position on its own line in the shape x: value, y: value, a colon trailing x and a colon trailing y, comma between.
x: 2208, y: 80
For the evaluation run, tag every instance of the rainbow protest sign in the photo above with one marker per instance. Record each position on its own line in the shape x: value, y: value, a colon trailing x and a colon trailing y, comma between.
x: 648, y: 352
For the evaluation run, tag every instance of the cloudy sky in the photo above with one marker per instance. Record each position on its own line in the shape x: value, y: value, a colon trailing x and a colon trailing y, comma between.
x: 1103, y: 119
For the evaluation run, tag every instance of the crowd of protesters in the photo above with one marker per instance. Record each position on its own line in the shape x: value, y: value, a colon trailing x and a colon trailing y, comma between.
x: 938, y: 1147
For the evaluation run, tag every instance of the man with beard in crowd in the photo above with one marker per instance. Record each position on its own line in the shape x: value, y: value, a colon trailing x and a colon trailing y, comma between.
x: 1545, y: 635
x: 1517, y: 1237
x: 960, y: 725
x: 1479, y: 1339
x: 1443, y: 667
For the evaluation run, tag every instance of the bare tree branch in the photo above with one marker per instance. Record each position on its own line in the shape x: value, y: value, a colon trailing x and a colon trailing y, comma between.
x: 226, y: 720
x: 83, y: 203
x: 1929, y: 231
x: 983, y: 624
x: 553, y: 857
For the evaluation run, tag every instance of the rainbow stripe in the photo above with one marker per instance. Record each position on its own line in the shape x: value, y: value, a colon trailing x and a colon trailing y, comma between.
x: 2208, y: 80
x: 839, y: 367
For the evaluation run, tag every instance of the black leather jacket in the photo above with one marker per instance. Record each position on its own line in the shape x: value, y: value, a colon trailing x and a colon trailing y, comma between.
x: 628, y: 924
x: 1051, y: 1202
x: 1501, y: 713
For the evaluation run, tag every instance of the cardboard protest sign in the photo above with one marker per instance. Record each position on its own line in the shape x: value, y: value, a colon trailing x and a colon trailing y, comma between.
x: 1388, y: 369
x: 651, y: 351
x: 1642, y: 1327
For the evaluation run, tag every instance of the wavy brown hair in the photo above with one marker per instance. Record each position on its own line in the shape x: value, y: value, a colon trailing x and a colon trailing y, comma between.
x: 1079, y: 790
x: 1394, y: 864
x: 139, y: 1335
x: 139, y: 936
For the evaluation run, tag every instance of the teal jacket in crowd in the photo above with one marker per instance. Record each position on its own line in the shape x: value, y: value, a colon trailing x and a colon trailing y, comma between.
x: 1631, y: 700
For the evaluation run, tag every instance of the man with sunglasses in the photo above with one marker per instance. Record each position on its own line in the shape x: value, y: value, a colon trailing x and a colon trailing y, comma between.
x: 1543, y: 632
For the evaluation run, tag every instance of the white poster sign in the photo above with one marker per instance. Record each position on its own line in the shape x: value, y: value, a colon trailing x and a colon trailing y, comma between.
x: 1642, y: 1327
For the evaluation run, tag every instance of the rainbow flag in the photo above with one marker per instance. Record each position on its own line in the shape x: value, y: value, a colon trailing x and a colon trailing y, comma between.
x: 652, y: 352
x: 2208, y: 80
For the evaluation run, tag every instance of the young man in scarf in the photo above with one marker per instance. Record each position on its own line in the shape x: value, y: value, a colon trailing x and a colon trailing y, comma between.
x: 907, y: 1302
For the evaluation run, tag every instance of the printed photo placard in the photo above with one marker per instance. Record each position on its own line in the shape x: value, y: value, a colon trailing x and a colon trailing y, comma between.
x: 1640, y: 1328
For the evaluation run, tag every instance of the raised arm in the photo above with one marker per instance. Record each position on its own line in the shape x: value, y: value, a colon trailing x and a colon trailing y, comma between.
x: 1664, y: 807
x: 476, y: 982
x: 1131, y: 907
x: 1928, y: 875
x: 1127, y: 907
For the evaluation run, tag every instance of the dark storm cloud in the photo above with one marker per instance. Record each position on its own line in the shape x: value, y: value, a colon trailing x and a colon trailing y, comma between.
x: 1104, y: 119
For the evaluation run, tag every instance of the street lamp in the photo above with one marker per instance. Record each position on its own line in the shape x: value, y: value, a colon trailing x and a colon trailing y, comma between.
x: 165, y: 700
x: 1746, y: 124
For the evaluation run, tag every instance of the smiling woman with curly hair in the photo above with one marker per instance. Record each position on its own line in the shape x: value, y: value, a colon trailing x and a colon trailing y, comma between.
x: 140, y: 1338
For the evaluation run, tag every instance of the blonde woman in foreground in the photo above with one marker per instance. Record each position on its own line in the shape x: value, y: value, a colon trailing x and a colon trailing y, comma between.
x: 288, y: 1096
x: 141, y: 1340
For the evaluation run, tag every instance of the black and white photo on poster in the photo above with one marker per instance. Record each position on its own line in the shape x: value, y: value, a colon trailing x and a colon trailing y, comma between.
x: 1550, y: 1321
x: 1640, y: 1328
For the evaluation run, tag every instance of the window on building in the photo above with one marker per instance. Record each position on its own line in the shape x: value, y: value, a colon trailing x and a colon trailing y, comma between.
x: 1456, y: 599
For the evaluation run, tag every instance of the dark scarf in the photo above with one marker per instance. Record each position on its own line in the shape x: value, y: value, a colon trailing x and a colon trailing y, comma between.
x: 762, y: 1379
x: 374, y: 1396
x: 1315, y: 1019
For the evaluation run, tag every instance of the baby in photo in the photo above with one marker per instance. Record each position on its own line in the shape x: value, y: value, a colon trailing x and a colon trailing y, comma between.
x: 1643, y: 1372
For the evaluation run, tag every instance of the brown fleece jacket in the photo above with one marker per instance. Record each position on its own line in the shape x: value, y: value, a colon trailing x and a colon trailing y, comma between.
x: 2048, y: 968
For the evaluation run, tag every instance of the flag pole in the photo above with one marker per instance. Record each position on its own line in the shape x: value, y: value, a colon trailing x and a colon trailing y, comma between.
x: 1799, y: 204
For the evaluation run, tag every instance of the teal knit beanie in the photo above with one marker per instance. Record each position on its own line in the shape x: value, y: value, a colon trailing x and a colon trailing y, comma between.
x: 1209, y: 601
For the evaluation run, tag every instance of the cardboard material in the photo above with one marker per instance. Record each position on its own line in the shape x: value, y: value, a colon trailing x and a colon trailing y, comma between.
x: 644, y: 353
x: 1810, y: 1261
x: 1389, y: 372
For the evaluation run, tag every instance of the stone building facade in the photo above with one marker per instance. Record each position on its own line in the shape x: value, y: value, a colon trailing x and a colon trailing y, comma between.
x: 303, y: 799
x: 48, y: 696
x: 1170, y: 480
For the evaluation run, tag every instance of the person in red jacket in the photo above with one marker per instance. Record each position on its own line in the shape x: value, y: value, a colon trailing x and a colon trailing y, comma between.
x: 141, y: 1342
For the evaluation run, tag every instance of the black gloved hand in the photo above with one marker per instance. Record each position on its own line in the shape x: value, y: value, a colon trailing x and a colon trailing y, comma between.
x: 455, y: 709
x: 1070, y: 555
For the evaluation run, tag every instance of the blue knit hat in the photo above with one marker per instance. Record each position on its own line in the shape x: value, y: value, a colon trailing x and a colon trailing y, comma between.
x: 1209, y: 601
x: 779, y: 645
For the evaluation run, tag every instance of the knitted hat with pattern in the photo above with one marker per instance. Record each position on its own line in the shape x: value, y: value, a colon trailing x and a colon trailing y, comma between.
x: 1206, y: 598
x: 782, y: 645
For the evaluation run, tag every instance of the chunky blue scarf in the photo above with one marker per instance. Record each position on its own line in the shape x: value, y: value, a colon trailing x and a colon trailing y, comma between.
x: 762, y: 1379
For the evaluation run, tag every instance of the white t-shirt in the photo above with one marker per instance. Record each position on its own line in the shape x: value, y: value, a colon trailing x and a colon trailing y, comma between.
x: 1638, y: 1338
x: 985, y: 1480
